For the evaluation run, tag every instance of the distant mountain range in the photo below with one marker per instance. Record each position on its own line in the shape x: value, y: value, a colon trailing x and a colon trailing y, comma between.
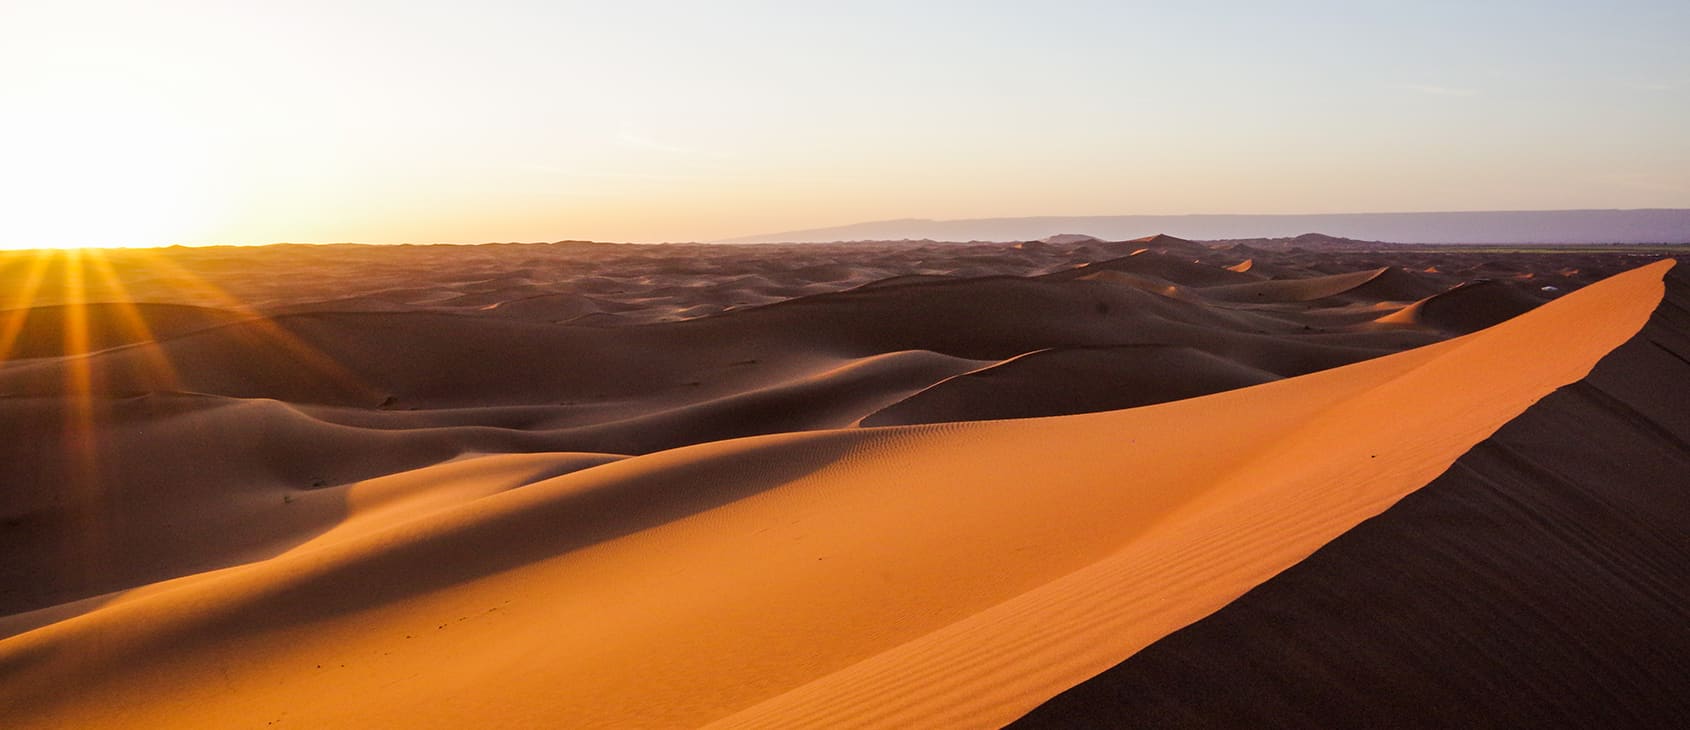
x: 1511, y: 227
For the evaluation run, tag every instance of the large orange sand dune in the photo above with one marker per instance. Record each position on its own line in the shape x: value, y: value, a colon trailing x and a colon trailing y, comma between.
x: 941, y: 575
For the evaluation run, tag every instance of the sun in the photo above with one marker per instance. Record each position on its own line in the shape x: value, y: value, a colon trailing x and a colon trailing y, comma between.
x: 78, y: 176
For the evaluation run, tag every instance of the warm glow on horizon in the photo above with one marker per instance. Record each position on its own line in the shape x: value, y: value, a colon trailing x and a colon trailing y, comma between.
x: 77, y: 187
x: 92, y: 161
x: 198, y: 122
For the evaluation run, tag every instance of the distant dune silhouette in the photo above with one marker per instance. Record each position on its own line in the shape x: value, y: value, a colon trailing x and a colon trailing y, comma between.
x: 1513, y: 227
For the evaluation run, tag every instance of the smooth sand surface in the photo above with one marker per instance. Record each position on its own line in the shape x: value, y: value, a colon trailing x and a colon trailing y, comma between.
x: 942, y: 575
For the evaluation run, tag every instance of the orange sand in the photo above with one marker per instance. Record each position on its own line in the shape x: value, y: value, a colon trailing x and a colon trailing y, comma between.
x: 905, y: 576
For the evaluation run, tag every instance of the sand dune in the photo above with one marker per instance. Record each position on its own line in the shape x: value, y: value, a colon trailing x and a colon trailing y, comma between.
x: 255, y: 518
x: 599, y: 485
x: 1063, y: 381
x: 1294, y: 290
x: 167, y: 497
x: 54, y: 331
x: 1538, y: 582
x: 925, y: 575
x: 1165, y: 266
x: 290, y: 403
x: 1466, y: 308
x: 425, y: 359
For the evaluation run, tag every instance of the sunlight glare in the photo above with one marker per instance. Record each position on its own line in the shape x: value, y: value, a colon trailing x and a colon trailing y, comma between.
x: 77, y: 176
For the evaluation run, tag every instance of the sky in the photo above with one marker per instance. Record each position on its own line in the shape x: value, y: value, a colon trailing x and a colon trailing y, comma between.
x: 201, y: 122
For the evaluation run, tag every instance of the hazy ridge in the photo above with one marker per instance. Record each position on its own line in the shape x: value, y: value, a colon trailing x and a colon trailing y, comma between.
x: 1656, y: 225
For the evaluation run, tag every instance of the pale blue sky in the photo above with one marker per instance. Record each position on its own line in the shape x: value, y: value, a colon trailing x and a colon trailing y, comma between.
x: 200, y: 122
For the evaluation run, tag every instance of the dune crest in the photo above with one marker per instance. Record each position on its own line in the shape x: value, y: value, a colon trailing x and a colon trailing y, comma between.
x: 1346, y: 461
x: 901, y: 576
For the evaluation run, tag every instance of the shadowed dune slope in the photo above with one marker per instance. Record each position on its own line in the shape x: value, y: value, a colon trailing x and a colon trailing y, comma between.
x: 431, y: 360
x: 52, y: 331
x: 1166, y: 266
x: 158, y: 530
x: 1293, y: 290
x: 1060, y: 382
x: 258, y: 475
x: 182, y: 484
x: 1466, y: 308
x: 1395, y: 284
x: 1541, y: 582
x: 908, y: 576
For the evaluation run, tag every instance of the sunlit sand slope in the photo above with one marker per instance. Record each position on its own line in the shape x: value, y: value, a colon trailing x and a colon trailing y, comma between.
x: 1542, y: 581
x: 924, y: 576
